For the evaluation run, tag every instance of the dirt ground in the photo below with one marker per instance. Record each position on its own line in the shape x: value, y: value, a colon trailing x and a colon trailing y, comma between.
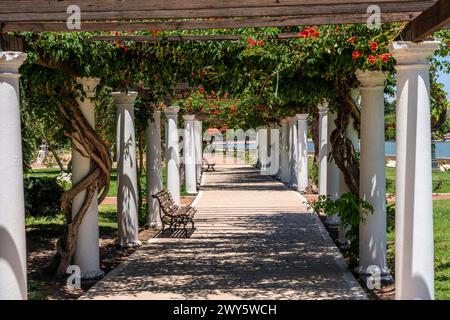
x: 41, y: 248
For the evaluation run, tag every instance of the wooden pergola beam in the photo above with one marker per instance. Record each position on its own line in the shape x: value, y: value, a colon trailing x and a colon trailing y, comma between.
x: 56, y: 11
x: 433, y: 19
x: 204, y: 24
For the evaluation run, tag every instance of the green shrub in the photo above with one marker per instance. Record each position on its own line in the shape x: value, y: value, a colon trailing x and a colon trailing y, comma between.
x: 351, y: 211
x: 42, y: 197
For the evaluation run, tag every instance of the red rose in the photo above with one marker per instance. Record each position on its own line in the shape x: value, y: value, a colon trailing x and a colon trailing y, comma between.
x: 201, y: 90
x: 260, y: 43
x: 372, y: 59
x: 373, y: 46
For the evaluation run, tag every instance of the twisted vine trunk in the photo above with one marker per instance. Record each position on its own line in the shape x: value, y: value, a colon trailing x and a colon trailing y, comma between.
x: 85, y: 141
x: 342, y: 149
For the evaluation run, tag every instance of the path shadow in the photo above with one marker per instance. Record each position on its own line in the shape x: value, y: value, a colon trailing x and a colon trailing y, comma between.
x: 177, y: 233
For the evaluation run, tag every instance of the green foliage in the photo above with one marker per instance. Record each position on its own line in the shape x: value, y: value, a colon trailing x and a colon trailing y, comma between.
x: 42, y: 197
x: 351, y: 211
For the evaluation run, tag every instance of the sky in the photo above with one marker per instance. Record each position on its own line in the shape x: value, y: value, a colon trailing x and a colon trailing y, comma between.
x: 445, y: 79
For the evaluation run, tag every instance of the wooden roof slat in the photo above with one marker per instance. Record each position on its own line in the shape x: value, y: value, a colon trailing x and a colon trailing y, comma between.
x: 209, y: 23
x: 435, y: 18
x: 145, y: 12
x: 45, y: 6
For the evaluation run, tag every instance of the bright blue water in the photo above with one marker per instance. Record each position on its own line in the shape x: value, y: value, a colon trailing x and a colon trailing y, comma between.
x: 442, y: 148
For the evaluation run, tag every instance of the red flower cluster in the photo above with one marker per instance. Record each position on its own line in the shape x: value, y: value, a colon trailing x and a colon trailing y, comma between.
x: 373, y: 46
x: 254, y: 43
x: 383, y: 57
x: 309, y: 33
x: 357, y: 54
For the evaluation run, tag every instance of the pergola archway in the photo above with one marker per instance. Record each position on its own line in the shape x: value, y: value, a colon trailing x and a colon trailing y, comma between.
x: 414, y: 254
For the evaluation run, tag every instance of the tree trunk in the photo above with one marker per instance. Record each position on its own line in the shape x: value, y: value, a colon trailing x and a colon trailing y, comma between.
x: 58, y: 160
x: 97, y: 179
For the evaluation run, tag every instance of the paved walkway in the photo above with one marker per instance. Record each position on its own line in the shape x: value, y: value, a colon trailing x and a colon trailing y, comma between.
x: 254, y: 240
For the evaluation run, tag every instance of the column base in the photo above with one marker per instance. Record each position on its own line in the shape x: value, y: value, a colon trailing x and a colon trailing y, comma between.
x: 133, y: 244
x: 93, y: 275
x: 385, y: 275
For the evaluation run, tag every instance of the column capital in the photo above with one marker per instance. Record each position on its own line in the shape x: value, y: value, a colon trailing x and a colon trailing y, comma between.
x: 408, y: 53
x: 172, y: 111
x: 189, y: 117
x: 302, y: 116
x: 89, y: 85
x: 10, y: 61
x: 123, y: 98
x: 371, y: 79
x: 323, y: 107
x: 292, y: 119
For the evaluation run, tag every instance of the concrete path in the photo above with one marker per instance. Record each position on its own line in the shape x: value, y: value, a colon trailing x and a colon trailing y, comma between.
x: 253, y: 240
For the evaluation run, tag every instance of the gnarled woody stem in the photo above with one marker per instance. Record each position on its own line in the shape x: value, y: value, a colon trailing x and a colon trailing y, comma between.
x: 89, y: 145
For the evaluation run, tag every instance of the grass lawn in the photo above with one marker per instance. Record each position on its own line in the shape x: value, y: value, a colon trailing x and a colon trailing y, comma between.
x: 54, y: 172
x: 441, y: 209
x: 442, y: 178
x: 107, y: 220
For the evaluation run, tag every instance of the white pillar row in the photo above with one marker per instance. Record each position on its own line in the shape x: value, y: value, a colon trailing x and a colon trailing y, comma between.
x: 13, y: 256
x: 302, y: 124
x: 172, y: 154
x: 414, y: 248
x: 154, y: 169
x: 372, y: 182
x: 284, y: 151
x: 352, y: 134
x: 323, y: 147
x: 190, y: 165
x: 293, y: 156
x: 333, y: 171
x: 127, y: 184
x: 87, y: 248
x: 198, y: 148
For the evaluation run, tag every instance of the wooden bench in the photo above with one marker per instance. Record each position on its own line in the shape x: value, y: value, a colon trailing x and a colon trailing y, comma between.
x: 173, y: 215
x: 208, y: 165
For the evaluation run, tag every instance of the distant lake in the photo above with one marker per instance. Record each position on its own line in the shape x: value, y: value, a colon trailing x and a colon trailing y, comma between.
x: 442, y: 148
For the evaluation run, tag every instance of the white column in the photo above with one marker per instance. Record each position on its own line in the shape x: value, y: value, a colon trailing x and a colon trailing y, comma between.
x: 352, y: 134
x: 293, y: 157
x: 198, y: 148
x: 372, y: 182
x: 262, y: 150
x: 172, y: 154
x: 190, y: 164
x: 302, y: 120
x: 87, y: 249
x: 323, y: 147
x: 414, y: 249
x: 127, y: 185
x: 13, y: 256
x: 284, y: 151
x: 333, y: 171
x: 154, y: 169
x: 274, y: 151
